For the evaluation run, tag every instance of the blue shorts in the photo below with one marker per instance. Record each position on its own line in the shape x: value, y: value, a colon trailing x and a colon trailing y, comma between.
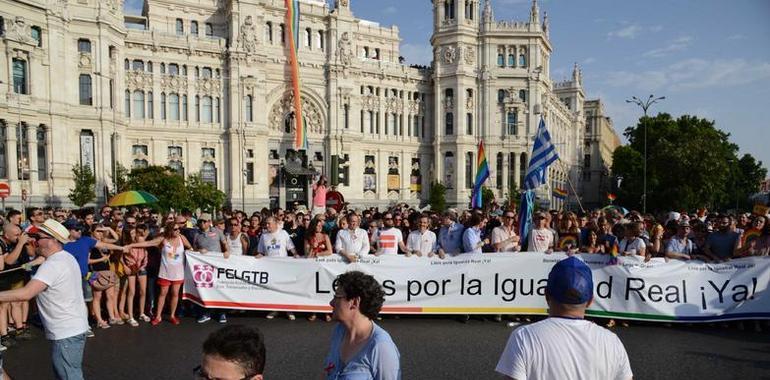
x: 88, y: 293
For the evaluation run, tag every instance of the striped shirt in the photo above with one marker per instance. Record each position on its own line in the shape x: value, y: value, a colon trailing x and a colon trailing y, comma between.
x: 387, y: 241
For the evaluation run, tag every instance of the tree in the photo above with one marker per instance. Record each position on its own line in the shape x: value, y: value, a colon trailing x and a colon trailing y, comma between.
x: 203, y: 194
x: 690, y: 164
x: 83, y: 192
x: 487, y: 197
x: 162, y: 182
x: 437, y: 197
x: 747, y: 173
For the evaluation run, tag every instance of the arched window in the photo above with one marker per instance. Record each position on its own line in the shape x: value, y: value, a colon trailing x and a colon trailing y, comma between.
x: 194, y: 27
x: 269, y: 32
x: 511, y: 60
x: 449, y: 128
x: 173, y: 106
x: 512, y: 171
x: 179, y: 26
x: 283, y: 34
x: 209, y: 29
x: 469, y: 124
x: 523, y: 95
x: 308, y: 37
x: 469, y: 170
x: 522, y: 60
x: 138, y: 65
x: 127, y: 104
x: 449, y: 169
x: 42, y: 154
x: 248, y: 106
x: 216, y: 110
x: 184, y: 107
x: 150, y: 108
x: 206, y: 110
x: 321, y: 43
x: 163, y: 106
x: 500, y: 96
x: 3, y: 150
x: 346, y: 116
x: 127, y: 64
x: 197, y: 108
x: 86, y: 97
x: 499, y: 170
x: 162, y: 68
x: 501, y: 60
x: 37, y: 35
x: 138, y: 105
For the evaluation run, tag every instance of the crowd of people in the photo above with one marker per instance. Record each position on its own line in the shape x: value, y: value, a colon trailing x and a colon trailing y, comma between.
x: 131, y: 260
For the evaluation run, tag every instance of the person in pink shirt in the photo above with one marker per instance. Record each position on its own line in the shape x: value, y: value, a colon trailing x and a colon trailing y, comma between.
x: 319, y: 196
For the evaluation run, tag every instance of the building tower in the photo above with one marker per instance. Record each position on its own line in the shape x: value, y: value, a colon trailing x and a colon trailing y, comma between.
x: 456, y: 89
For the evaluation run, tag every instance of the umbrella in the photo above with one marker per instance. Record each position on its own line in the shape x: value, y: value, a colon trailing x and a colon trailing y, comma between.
x: 130, y: 198
x: 622, y: 210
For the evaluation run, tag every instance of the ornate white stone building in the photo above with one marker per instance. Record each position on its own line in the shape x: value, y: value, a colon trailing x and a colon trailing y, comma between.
x: 204, y: 87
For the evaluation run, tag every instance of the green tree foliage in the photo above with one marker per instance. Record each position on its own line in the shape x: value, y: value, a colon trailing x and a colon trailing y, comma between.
x: 120, y: 179
x: 690, y: 164
x: 173, y: 191
x: 437, y: 197
x: 83, y: 192
x: 204, y: 195
x: 487, y: 197
x: 162, y: 182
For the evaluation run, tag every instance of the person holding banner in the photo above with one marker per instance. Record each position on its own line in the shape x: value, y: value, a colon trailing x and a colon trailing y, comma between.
x: 541, y: 238
x: 450, y: 236
x: 472, y: 241
x: 360, y: 349
x: 565, y: 345
x: 353, y: 242
x: 632, y: 244
x: 504, y: 237
x: 389, y: 238
x: 276, y: 242
x: 680, y: 246
x: 422, y: 241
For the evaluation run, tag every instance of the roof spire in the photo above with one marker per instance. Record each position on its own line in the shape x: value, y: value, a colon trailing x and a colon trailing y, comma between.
x: 488, y: 11
x: 534, y: 14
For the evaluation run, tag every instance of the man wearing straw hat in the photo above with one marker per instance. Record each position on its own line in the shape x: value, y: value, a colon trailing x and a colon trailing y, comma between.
x: 59, y: 299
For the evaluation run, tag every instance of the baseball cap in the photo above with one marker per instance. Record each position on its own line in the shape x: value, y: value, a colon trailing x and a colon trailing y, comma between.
x: 53, y: 228
x: 570, y: 282
x: 72, y: 224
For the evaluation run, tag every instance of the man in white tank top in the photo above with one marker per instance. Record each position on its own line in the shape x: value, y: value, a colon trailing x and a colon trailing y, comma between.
x: 565, y: 346
x: 237, y: 240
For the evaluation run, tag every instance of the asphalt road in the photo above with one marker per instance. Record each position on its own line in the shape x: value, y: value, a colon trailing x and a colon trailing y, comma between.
x: 431, y: 348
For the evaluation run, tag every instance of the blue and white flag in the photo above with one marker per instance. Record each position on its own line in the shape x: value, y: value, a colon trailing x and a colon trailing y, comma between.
x: 543, y: 154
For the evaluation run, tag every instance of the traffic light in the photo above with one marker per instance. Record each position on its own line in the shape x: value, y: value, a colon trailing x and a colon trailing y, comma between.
x: 340, y: 170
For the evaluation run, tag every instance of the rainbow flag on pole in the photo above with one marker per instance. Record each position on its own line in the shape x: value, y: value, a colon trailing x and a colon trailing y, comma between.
x: 482, y: 173
x: 292, y: 20
x: 560, y: 193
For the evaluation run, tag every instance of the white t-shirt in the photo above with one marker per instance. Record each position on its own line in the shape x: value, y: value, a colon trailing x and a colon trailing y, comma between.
x: 633, y: 247
x: 561, y: 348
x: 425, y: 242
x: 540, y: 240
x: 355, y: 243
x: 277, y: 244
x: 387, y: 241
x: 61, y: 305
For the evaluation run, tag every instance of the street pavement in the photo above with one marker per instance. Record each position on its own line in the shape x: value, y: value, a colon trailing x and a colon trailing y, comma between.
x: 431, y: 348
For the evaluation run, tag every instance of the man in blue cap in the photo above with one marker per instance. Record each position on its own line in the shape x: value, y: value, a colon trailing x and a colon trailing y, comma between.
x: 565, y: 346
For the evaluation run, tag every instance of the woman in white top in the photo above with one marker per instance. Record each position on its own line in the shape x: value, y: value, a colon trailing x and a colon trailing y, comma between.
x: 171, y: 273
x: 632, y: 244
x: 237, y: 240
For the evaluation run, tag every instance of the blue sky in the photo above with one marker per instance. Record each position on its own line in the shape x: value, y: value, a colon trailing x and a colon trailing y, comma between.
x: 710, y: 58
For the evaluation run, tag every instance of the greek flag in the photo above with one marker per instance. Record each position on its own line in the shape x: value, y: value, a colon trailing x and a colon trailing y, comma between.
x: 543, y: 154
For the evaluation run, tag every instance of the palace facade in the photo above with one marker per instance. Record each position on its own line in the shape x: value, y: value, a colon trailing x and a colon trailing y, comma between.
x: 203, y: 87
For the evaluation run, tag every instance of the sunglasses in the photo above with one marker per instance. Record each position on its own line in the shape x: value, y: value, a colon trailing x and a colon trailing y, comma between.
x: 176, y: 229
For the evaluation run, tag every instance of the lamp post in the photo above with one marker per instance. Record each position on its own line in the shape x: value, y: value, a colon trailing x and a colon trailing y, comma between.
x: 645, y: 105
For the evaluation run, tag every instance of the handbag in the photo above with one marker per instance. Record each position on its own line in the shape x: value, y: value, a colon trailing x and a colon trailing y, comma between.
x: 103, y: 279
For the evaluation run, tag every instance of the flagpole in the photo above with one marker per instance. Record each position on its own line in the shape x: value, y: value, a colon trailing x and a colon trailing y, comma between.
x: 569, y: 181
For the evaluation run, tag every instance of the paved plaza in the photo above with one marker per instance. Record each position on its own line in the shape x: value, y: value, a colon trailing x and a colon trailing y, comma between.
x: 431, y: 348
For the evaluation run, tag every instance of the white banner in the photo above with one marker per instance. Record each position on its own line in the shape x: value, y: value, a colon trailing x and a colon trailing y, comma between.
x: 489, y: 283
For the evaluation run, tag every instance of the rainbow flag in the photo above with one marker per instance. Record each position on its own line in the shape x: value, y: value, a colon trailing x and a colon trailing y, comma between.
x: 292, y: 20
x: 560, y: 193
x: 482, y: 173
x: 611, y: 197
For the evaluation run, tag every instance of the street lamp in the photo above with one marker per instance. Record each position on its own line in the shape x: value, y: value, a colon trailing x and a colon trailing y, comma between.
x: 645, y: 105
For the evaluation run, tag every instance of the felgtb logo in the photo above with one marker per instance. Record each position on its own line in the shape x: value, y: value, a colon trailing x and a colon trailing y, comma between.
x: 203, y: 275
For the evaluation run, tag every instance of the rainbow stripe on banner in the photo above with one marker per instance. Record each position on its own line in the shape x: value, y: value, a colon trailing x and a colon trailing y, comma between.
x: 292, y: 20
x: 482, y: 173
x: 560, y: 193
